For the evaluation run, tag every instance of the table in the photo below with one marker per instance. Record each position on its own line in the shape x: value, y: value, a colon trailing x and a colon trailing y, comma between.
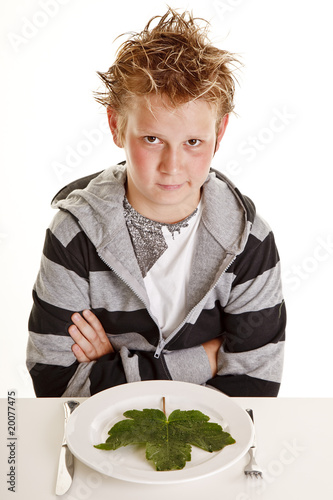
x: 295, y: 449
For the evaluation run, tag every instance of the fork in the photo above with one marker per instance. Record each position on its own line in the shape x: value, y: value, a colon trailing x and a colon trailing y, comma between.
x: 252, y: 469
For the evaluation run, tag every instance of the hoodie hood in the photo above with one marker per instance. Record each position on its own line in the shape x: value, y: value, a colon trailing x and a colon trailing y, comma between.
x: 96, y: 202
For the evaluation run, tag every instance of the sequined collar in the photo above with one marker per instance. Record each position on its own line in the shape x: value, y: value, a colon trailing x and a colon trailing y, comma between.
x: 151, y: 225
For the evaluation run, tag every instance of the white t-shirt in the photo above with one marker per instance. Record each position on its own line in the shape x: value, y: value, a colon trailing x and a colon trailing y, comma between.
x: 167, y: 280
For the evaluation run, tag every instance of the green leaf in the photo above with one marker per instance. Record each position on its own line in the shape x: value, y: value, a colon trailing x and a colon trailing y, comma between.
x: 168, y: 441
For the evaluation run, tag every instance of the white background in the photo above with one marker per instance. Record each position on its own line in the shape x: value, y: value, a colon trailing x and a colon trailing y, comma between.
x: 50, y: 52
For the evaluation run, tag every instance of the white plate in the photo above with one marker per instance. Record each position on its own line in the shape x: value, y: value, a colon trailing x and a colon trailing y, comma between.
x: 90, y: 422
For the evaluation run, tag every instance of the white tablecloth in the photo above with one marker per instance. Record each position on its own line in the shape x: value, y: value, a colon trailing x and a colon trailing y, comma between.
x: 295, y: 449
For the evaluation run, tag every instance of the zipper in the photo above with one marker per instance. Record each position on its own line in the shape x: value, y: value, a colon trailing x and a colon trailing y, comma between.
x: 159, y: 348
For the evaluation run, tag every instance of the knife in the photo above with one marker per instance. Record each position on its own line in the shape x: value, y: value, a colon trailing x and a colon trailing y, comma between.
x: 66, y: 459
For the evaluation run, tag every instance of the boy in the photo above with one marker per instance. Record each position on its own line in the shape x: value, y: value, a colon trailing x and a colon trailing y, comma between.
x: 158, y: 268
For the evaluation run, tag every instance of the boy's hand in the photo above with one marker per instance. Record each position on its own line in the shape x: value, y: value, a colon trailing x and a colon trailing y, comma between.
x: 91, y: 341
x: 212, y: 348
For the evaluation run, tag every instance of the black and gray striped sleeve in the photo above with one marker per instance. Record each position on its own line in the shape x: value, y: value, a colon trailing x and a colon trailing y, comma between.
x: 62, y: 288
x: 251, y: 359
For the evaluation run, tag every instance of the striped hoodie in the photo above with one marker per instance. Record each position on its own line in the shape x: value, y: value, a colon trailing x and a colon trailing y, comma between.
x: 88, y: 262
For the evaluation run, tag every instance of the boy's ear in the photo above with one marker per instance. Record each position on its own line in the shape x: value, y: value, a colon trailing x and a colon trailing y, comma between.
x: 113, y: 124
x: 221, y: 130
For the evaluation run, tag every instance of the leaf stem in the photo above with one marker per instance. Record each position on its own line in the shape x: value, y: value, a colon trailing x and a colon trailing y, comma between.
x: 163, y: 400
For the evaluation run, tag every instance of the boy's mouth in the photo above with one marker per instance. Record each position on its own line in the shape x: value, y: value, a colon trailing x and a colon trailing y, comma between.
x: 170, y: 187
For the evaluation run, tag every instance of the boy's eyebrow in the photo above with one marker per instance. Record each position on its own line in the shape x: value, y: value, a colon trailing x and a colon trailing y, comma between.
x: 155, y: 133
x: 144, y: 131
x: 149, y: 132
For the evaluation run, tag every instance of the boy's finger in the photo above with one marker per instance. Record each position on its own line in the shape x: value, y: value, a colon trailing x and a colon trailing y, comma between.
x: 81, y: 341
x: 94, y: 322
x: 85, y: 336
x: 79, y: 354
x: 85, y: 328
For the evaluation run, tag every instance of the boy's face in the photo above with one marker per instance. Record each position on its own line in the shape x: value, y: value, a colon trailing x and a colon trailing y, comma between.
x: 168, y: 153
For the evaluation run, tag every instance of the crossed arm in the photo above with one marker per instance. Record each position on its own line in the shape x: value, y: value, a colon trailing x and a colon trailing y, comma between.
x: 91, y: 341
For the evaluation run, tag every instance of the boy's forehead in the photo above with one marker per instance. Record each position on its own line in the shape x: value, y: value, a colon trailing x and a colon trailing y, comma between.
x: 152, y: 107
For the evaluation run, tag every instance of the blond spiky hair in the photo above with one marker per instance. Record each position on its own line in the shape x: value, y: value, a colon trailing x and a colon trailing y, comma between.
x: 172, y: 59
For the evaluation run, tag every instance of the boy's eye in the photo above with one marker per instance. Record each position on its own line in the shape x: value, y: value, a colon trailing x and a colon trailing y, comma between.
x: 151, y: 139
x: 193, y: 142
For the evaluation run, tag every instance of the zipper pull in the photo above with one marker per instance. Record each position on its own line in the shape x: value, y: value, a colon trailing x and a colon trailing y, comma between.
x: 159, y: 348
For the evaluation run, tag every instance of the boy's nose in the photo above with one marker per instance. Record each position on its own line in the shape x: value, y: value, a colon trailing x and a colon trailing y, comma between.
x: 170, y: 162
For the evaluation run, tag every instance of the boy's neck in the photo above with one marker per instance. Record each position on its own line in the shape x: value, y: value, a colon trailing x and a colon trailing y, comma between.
x: 167, y: 214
